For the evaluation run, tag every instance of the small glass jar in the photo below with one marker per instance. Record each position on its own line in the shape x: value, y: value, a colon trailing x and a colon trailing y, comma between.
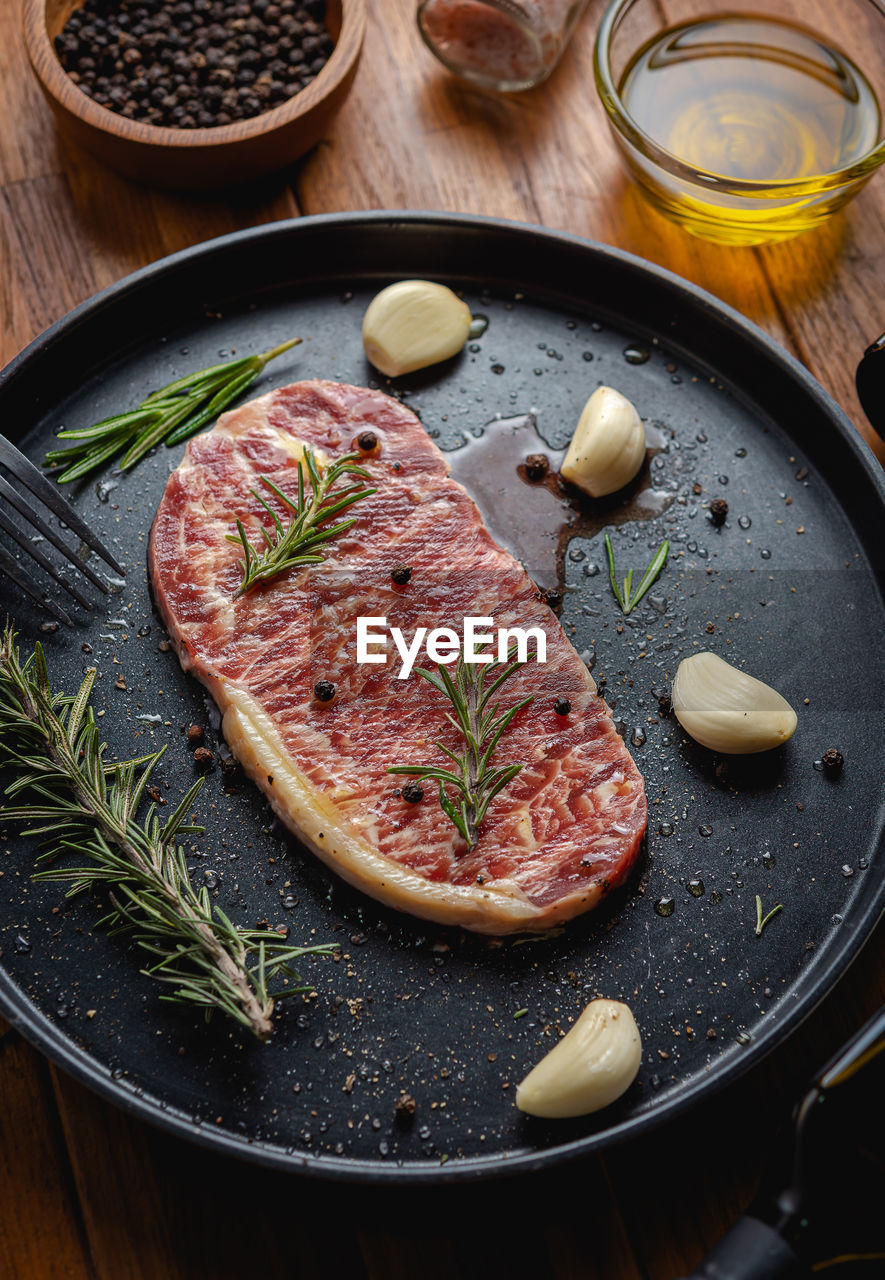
x: 500, y: 44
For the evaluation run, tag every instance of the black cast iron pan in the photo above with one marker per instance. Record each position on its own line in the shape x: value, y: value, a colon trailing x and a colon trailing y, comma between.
x: 791, y: 586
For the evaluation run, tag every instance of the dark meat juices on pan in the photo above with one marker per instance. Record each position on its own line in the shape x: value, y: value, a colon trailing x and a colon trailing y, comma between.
x: 560, y: 835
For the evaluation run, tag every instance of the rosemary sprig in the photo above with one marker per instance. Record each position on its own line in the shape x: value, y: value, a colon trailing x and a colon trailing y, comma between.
x: 173, y: 414
x: 760, y: 923
x: 626, y: 597
x: 81, y: 804
x: 287, y: 546
x: 475, y: 782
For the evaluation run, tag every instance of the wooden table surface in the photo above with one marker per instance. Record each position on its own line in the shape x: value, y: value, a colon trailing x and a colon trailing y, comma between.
x: 85, y: 1191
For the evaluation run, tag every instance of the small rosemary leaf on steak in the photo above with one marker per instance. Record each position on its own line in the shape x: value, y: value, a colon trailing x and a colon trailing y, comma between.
x: 473, y: 780
x: 288, y: 546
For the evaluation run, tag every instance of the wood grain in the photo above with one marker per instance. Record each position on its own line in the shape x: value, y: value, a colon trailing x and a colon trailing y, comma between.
x: 41, y: 1233
x: 86, y: 1191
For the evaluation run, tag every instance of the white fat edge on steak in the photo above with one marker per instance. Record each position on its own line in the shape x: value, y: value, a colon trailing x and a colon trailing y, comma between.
x: 498, y: 907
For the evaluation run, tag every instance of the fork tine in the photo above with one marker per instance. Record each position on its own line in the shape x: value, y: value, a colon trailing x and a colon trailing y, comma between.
x: 10, y: 568
x: 16, y: 500
x: 34, y: 479
x: 43, y: 561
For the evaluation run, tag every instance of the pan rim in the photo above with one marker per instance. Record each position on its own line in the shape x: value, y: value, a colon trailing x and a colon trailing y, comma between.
x: 46, y: 1036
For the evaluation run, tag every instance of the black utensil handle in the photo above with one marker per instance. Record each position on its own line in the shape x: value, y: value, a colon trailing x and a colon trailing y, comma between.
x: 755, y: 1249
x: 751, y: 1251
x: 870, y: 382
x: 865, y: 1045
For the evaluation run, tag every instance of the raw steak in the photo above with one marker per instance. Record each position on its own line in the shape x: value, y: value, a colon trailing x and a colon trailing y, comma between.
x: 556, y: 839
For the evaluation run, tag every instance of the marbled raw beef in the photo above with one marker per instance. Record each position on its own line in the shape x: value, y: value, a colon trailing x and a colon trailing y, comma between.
x: 556, y: 839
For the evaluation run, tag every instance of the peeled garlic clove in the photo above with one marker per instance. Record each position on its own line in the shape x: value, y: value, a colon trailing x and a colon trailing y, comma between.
x: 413, y: 324
x: 727, y: 710
x: 608, y: 446
x: 592, y: 1065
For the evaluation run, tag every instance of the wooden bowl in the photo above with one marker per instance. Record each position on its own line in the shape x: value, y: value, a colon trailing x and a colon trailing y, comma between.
x: 195, y: 159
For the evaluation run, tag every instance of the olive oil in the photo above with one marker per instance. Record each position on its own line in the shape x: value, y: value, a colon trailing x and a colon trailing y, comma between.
x: 749, y: 100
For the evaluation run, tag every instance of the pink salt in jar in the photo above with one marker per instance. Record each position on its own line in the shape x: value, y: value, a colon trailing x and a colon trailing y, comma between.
x: 501, y: 44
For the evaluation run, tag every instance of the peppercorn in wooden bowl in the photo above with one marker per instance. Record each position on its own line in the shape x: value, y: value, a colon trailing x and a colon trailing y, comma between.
x: 184, y: 145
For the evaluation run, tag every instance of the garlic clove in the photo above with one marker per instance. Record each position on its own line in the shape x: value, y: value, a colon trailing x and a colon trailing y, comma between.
x: 413, y: 324
x: 591, y: 1066
x: 726, y: 709
x: 608, y: 446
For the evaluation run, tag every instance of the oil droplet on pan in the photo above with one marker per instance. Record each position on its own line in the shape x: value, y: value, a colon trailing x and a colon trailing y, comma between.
x: 635, y: 355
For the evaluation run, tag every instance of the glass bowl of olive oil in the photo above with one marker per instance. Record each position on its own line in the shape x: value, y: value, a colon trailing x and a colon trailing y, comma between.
x: 745, y: 126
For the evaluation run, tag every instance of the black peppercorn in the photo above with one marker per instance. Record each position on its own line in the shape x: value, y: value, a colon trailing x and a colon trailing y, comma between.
x: 718, y: 511
x: 536, y: 467
x: 553, y: 598
x: 401, y: 574
x: 413, y: 793
x: 134, y: 56
x: 404, y: 1110
x: 832, y: 761
x: 665, y: 706
x: 324, y: 691
x: 562, y: 706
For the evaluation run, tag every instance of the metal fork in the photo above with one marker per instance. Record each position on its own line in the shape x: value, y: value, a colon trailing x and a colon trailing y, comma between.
x: 47, y: 493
